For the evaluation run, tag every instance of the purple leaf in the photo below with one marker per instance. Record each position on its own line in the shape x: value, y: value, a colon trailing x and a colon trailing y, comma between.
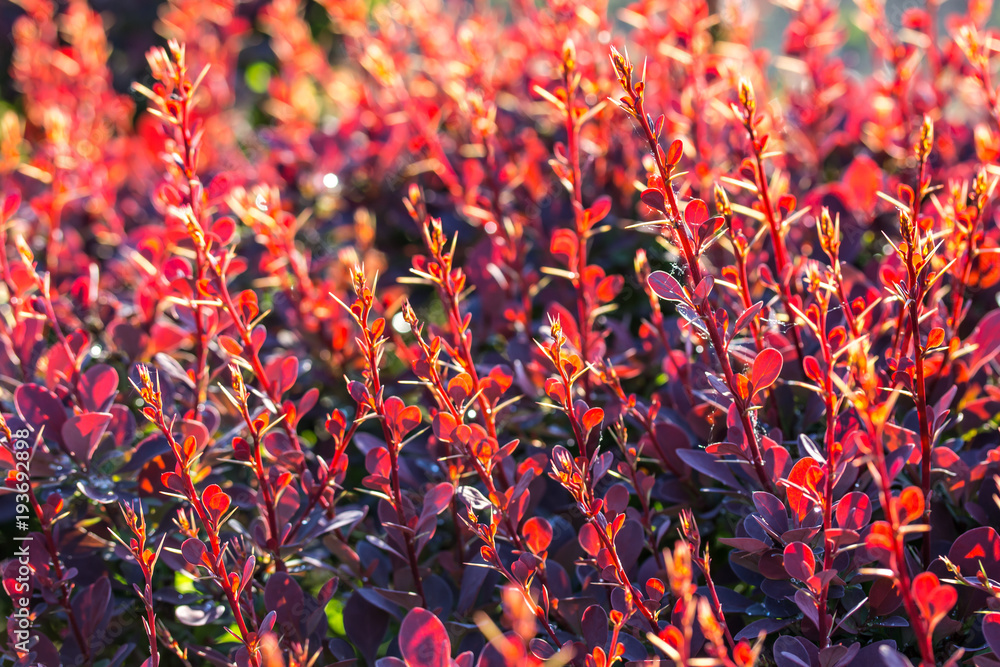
x: 743, y: 320
x: 666, y: 286
x: 594, y: 626
x: 991, y: 630
x: 986, y: 337
x: 800, y: 561
x: 423, y: 640
x: 99, y: 386
x: 194, y: 551
x: 653, y: 198
x: 772, y: 510
x: 82, y: 433
x: 90, y: 605
x: 40, y: 408
x: 365, y: 624
x: 284, y: 597
x: 766, y: 369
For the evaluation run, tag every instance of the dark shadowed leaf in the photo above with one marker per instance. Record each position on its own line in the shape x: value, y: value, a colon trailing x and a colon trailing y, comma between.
x: 90, y: 605
x: 284, y: 596
x: 795, y: 652
x: 772, y: 510
x: 365, y: 625
x: 595, y: 626
x: 768, y: 625
x: 991, y: 630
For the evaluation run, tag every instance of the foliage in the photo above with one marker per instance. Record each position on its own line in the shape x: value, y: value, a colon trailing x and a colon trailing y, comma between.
x: 459, y: 336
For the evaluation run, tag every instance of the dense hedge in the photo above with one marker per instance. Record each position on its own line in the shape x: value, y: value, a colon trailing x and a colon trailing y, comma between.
x: 434, y: 333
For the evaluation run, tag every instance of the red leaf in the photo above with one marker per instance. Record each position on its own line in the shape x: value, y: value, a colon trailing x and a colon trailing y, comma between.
x: 934, y: 599
x: 666, y: 286
x: 289, y: 373
x: 837, y: 337
x: 798, y: 502
x: 224, y: 229
x: 496, y: 383
x: 257, y: 337
x: 741, y: 386
x: 444, y: 425
x: 909, y: 504
x: 423, y: 640
x: 437, y: 499
x: 246, y: 304
x: 655, y: 589
x: 216, y: 501
x: 11, y: 204
x: 674, y: 152
x: 377, y: 461
x: 589, y: 539
x: 695, y: 213
x: 863, y: 179
x: 800, y: 562
x: 401, y: 419
x: 537, y: 534
x: 854, y: 511
x: 703, y: 289
x: 812, y: 369
x: 555, y: 390
x: 564, y: 244
x: 743, y: 320
x: 230, y: 345
x: 599, y: 210
x: 880, y: 538
x: 592, y: 419
x: 82, y: 433
x: 935, y: 337
x: 99, y: 386
x: 307, y: 402
x: 766, y: 369
x: 658, y: 128
x: 460, y: 387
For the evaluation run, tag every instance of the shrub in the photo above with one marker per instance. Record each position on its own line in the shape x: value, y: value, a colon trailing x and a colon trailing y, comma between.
x: 425, y: 333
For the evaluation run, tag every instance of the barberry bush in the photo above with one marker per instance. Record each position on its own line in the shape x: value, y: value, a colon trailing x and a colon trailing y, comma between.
x: 427, y: 333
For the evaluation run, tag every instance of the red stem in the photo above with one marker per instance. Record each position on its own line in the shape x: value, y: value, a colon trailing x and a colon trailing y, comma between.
x: 705, y: 309
x: 218, y: 565
x: 583, y: 308
x: 64, y: 601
